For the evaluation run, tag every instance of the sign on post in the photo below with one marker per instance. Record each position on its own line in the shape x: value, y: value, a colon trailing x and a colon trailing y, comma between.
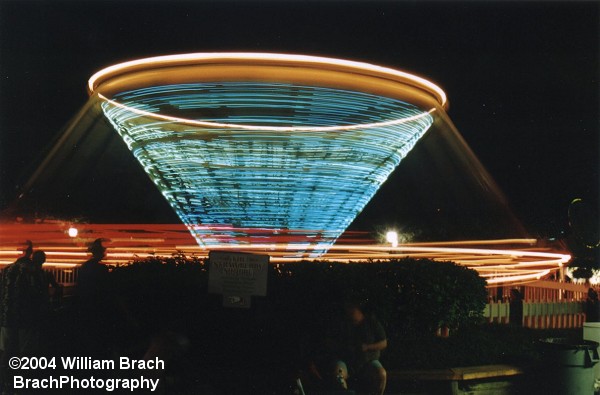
x: 237, y: 276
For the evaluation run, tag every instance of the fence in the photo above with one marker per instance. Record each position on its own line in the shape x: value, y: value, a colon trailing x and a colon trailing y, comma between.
x: 540, y: 314
x: 542, y: 291
x: 64, y: 276
x: 546, y: 304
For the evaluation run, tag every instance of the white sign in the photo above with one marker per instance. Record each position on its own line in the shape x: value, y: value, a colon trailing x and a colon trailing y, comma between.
x: 237, y: 276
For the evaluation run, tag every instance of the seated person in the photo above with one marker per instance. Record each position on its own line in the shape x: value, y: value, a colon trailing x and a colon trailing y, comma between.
x: 351, y: 351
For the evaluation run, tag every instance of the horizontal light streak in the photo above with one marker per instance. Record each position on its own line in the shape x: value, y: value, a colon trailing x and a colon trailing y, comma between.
x: 250, y: 57
x: 498, y: 266
x: 477, y: 242
x: 514, y: 279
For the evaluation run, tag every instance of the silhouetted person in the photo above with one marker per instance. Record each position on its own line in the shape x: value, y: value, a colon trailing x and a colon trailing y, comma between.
x: 516, y: 307
x: 35, y: 304
x: 355, y: 350
x: 12, y: 288
x: 92, y: 277
x: 93, y: 300
x: 592, y: 306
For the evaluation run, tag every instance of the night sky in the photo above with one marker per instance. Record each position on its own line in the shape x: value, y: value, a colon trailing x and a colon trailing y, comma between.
x: 522, y: 78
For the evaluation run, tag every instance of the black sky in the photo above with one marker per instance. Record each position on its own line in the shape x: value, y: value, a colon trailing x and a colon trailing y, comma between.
x: 522, y: 78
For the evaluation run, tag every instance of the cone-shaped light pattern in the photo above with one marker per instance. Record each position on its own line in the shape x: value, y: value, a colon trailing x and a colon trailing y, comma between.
x: 246, y: 157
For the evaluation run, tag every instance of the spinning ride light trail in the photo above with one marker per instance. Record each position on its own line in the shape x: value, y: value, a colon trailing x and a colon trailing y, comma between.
x: 270, y: 154
x: 246, y: 145
x: 499, y: 262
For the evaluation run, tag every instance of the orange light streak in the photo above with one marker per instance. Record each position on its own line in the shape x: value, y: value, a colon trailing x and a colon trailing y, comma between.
x: 132, y: 241
x: 214, y: 57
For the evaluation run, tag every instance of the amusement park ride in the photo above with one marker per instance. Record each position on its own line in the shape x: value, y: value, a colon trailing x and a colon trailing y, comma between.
x: 269, y: 153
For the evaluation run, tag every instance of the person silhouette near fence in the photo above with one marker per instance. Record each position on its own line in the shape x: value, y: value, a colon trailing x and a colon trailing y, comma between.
x: 13, y: 286
x: 92, y: 302
x: 515, y: 316
x: 34, y: 306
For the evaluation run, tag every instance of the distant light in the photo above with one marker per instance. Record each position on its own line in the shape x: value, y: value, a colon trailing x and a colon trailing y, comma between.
x: 392, y: 237
x: 73, y: 232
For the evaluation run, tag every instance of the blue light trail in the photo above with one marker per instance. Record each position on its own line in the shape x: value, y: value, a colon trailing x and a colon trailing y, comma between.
x: 237, y: 159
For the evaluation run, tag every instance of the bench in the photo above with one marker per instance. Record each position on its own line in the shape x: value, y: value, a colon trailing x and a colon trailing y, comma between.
x: 463, y: 380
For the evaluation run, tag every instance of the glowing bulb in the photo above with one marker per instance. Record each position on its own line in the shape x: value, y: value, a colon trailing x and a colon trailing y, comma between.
x: 392, y: 237
x: 73, y: 232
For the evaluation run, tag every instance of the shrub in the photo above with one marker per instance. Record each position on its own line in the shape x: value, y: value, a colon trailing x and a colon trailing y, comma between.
x: 408, y: 294
x: 412, y: 297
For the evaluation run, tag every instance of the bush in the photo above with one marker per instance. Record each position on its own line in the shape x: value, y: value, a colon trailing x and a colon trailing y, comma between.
x: 407, y: 295
x: 412, y: 298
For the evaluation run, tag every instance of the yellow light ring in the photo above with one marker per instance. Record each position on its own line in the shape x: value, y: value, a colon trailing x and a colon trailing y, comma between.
x: 267, y: 59
x: 299, y: 69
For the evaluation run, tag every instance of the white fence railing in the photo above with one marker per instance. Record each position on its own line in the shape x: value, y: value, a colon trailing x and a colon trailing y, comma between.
x: 542, y: 290
x: 64, y: 276
x: 540, y: 315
